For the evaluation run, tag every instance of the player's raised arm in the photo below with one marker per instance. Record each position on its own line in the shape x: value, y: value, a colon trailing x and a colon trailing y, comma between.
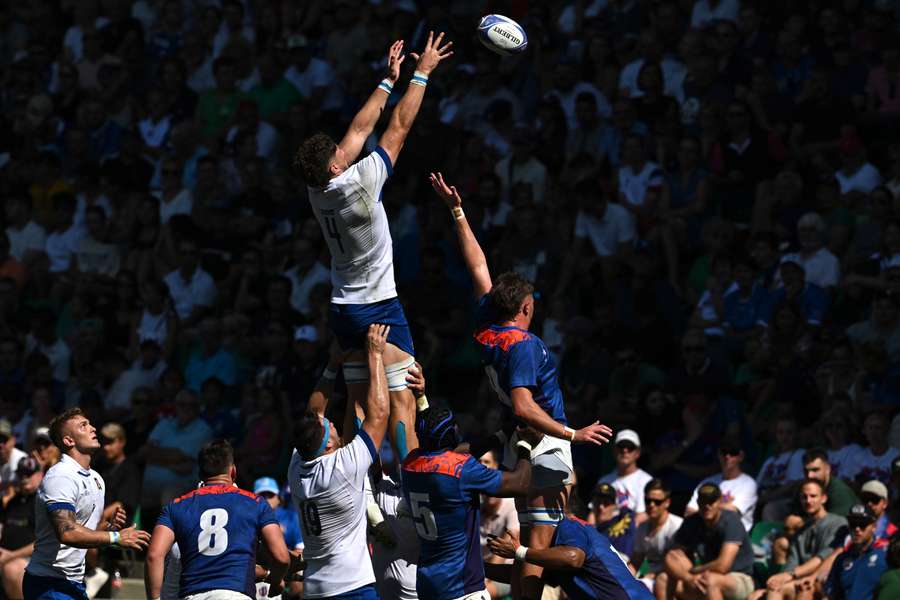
x: 155, y: 566
x: 273, y: 537
x: 406, y: 110
x: 364, y: 122
x: 375, y: 423
x: 71, y: 533
x: 321, y: 394
x: 472, y: 253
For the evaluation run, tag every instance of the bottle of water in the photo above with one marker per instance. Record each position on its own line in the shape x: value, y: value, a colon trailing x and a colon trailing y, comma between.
x: 116, y: 583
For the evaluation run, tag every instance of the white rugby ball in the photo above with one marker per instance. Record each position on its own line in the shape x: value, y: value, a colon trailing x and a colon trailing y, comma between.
x: 502, y: 35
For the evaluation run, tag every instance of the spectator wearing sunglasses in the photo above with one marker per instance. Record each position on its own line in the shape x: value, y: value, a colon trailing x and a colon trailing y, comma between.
x: 612, y: 520
x: 857, y: 570
x: 738, y: 488
x: 654, y: 536
x: 628, y: 479
x: 874, y: 495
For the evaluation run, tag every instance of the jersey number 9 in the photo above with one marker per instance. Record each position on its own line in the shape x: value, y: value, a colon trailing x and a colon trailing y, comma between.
x: 213, y: 538
x: 309, y: 514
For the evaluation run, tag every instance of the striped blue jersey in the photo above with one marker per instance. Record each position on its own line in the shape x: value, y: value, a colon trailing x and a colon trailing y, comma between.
x: 443, y: 492
x: 603, y: 574
x: 217, y: 528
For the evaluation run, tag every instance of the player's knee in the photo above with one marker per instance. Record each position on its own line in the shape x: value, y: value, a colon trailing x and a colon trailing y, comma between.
x: 396, y: 374
x: 356, y: 373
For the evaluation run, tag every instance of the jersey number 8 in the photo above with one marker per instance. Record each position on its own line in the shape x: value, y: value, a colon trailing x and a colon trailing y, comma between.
x: 213, y: 538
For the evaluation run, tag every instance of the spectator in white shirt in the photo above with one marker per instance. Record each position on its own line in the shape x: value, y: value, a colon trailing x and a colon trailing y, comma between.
x: 61, y: 244
x: 738, y: 488
x: 673, y: 70
x: 9, y: 454
x: 306, y: 274
x: 94, y: 256
x: 26, y: 238
x: 313, y: 77
x: 628, y: 479
x: 498, y: 515
x: 43, y: 339
x: 780, y: 472
x: 654, y: 536
x: 821, y: 266
x: 522, y: 167
x: 174, y: 198
x: 192, y: 289
x: 856, y: 176
x: 248, y: 122
x: 231, y: 26
x: 874, y: 460
x: 568, y: 88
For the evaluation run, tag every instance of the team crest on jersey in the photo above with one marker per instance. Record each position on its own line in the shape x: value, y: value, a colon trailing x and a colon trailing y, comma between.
x: 99, y: 485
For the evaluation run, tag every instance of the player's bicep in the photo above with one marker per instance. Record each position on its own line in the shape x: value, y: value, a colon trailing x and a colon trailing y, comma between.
x: 161, y: 542
x: 273, y: 538
x: 476, y: 478
x: 63, y: 521
x: 392, y: 142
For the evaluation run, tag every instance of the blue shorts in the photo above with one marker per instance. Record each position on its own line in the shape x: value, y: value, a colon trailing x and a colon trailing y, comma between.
x: 366, y: 592
x: 35, y: 587
x: 350, y: 323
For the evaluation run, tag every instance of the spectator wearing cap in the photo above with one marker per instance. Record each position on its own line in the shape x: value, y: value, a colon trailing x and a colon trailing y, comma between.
x: 9, y: 455
x: 875, y: 459
x: 654, y: 536
x: 841, y: 497
x: 43, y: 449
x: 210, y: 358
x: 614, y: 521
x: 171, y: 455
x: 779, y: 474
x: 738, y: 489
x: 628, y: 480
x: 17, y: 519
x: 811, y: 299
x: 874, y: 494
x: 287, y: 517
x: 120, y: 472
x: 821, y: 533
x: 857, y: 570
x: 712, y: 555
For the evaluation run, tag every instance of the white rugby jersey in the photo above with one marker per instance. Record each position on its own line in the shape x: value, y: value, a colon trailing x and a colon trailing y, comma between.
x: 355, y: 226
x: 329, y: 494
x: 66, y: 486
x: 395, y: 568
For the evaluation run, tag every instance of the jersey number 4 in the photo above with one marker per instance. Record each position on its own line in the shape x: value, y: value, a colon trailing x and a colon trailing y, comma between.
x: 426, y: 526
x: 333, y: 233
x: 309, y: 514
x: 213, y: 538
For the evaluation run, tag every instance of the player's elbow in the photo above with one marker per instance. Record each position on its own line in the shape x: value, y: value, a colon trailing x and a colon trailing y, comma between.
x: 573, y: 559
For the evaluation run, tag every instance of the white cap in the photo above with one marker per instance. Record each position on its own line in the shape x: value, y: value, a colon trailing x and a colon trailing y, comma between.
x: 628, y: 435
x: 875, y: 487
x: 306, y: 333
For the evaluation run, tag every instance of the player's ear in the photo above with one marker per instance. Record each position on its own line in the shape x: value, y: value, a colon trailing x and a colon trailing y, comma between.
x: 232, y: 471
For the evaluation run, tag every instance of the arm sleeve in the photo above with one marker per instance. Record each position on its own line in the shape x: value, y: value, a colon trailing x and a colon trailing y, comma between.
x: 685, y: 536
x: 475, y: 478
x: 747, y: 498
x: 795, y: 467
x: 165, y: 518
x: 570, y: 534
x: 734, y: 531
x: 58, y: 493
x: 692, y: 503
x: 265, y: 515
x: 373, y: 172
x: 793, y: 556
x: 356, y: 458
x: 522, y: 367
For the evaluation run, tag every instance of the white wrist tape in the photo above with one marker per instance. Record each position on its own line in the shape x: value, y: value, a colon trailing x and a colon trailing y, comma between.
x: 114, y: 537
x: 521, y: 551
x: 524, y: 444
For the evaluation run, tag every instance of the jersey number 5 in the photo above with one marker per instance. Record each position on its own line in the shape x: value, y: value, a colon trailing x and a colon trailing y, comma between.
x: 333, y: 233
x: 213, y: 538
x: 309, y: 513
x: 426, y: 526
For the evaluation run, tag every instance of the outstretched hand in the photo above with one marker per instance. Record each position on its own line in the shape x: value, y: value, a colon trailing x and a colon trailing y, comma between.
x: 594, y: 433
x: 433, y: 53
x: 446, y: 193
x: 134, y: 538
x: 395, y: 59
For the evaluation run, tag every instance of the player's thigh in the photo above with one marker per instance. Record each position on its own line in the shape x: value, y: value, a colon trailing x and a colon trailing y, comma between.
x: 13, y: 572
x: 734, y: 586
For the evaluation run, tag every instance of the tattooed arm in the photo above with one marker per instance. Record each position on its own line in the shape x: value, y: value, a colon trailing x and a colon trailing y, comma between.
x: 71, y: 533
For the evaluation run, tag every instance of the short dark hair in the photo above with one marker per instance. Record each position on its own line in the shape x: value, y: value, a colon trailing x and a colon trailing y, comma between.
x: 57, y: 424
x: 507, y: 294
x: 215, y: 458
x: 308, y: 436
x: 313, y: 157
x: 577, y: 507
x: 657, y: 484
x: 813, y: 454
x: 810, y: 480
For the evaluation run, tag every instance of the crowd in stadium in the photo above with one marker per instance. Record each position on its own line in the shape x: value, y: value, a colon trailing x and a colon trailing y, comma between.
x: 705, y: 195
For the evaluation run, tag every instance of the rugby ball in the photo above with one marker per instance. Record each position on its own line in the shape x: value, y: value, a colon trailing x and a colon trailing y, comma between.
x: 502, y: 35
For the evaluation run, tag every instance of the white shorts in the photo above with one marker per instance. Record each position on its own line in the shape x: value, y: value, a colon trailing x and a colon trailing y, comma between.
x: 551, y: 462
x: 482, y: 595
